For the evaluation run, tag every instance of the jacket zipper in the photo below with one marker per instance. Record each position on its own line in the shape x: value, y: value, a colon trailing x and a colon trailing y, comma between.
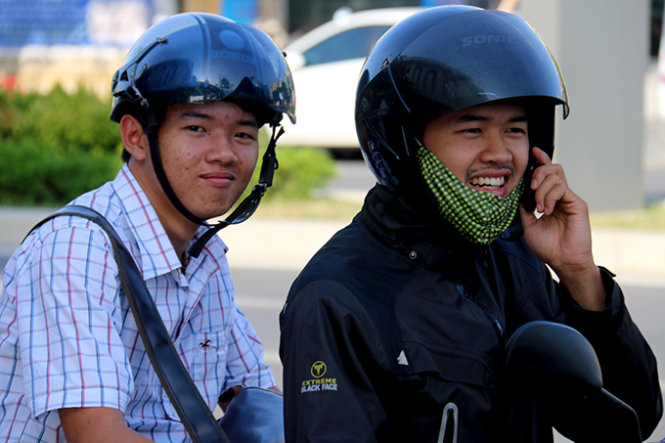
x: 495, y: 321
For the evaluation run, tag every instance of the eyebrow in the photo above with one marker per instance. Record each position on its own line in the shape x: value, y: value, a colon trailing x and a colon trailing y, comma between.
x: 202, y: 115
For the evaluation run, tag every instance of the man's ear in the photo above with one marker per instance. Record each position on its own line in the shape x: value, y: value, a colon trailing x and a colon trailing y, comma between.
x: 134, y: 139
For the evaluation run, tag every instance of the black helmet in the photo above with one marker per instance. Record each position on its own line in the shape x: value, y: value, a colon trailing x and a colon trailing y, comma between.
x: 201, y: 58
x: 442, y: 60
x: 204, y: 58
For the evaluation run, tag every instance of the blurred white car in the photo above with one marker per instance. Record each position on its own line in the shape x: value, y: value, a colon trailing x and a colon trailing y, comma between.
x: 326, y: 64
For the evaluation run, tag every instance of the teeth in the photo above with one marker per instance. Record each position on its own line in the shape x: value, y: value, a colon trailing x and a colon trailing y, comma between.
x: 488, y: 181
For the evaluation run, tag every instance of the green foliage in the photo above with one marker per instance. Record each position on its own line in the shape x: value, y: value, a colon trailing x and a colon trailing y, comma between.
x: 300, y: 171
x: 54, y: 147
x: 72, y: 123
x: 32, y: 175
x: 59, y: 121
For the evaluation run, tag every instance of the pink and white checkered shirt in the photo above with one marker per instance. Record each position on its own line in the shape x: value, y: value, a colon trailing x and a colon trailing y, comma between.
x: 68, y: 337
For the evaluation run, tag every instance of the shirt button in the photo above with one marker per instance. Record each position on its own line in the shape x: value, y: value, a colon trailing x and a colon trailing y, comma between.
x: 413, y: 255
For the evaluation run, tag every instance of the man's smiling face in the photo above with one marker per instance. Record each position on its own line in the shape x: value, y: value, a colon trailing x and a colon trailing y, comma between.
x: 209, y: 153
x: 485, y: 146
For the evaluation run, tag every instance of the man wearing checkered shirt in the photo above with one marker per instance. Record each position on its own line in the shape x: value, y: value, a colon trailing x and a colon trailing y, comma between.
x: 190, y: 100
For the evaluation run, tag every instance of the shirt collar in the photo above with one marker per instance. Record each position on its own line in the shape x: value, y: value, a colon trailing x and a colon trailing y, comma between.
x: 156, y: 256
x: 214, y: 248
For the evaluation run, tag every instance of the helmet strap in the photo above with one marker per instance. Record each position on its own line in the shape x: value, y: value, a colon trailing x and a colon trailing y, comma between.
x: 247, y: 207
x: 164, y: 181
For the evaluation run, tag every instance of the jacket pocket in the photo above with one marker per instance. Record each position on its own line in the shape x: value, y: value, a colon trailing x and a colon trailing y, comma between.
x: 450, y: 365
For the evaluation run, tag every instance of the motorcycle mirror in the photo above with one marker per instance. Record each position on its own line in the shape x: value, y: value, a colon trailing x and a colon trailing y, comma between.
x: 557, y: 366
x: 542, y: 351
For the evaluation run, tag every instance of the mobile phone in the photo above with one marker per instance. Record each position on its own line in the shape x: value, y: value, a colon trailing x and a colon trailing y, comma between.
x: 528, y: 196
x: 541, y: 135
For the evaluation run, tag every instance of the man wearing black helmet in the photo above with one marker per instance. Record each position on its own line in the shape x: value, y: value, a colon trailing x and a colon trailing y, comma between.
x: 190, y: 100
x: 395, y: 330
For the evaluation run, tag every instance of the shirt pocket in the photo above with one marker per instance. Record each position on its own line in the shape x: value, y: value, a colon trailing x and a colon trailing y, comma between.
x: 204, y: 355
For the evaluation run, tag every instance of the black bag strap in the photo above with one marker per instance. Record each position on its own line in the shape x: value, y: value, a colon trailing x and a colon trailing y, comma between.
x: 181, y: 390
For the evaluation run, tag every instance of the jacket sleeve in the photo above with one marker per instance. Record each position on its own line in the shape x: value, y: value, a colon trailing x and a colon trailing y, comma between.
x: 331, y: 357
x: 628, y: 364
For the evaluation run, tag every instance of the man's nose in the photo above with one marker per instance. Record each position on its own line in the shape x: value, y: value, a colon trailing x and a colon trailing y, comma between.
x: 496, y: 150
x: 221, y: 149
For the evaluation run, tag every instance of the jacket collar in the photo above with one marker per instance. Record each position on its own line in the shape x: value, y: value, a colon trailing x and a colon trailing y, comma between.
x: 412, y: 227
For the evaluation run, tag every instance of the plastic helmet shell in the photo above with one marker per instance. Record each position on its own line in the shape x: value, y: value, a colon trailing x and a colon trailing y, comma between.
x: 202, y: 58
x: 443, y: 60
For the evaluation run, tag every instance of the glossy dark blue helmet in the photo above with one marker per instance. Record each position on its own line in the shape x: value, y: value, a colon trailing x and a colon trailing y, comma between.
x: 202, y: 58
x: 443, y: 60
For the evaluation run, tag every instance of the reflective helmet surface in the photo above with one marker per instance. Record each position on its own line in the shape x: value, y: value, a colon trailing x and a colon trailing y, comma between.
x: 443, y: 60
x: 202, y: 58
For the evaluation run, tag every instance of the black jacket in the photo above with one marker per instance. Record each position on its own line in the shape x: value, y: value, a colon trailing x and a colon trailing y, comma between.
x: 396, y: 329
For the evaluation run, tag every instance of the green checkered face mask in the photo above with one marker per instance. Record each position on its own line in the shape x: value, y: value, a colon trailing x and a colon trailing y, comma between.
x: 479, y: 216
